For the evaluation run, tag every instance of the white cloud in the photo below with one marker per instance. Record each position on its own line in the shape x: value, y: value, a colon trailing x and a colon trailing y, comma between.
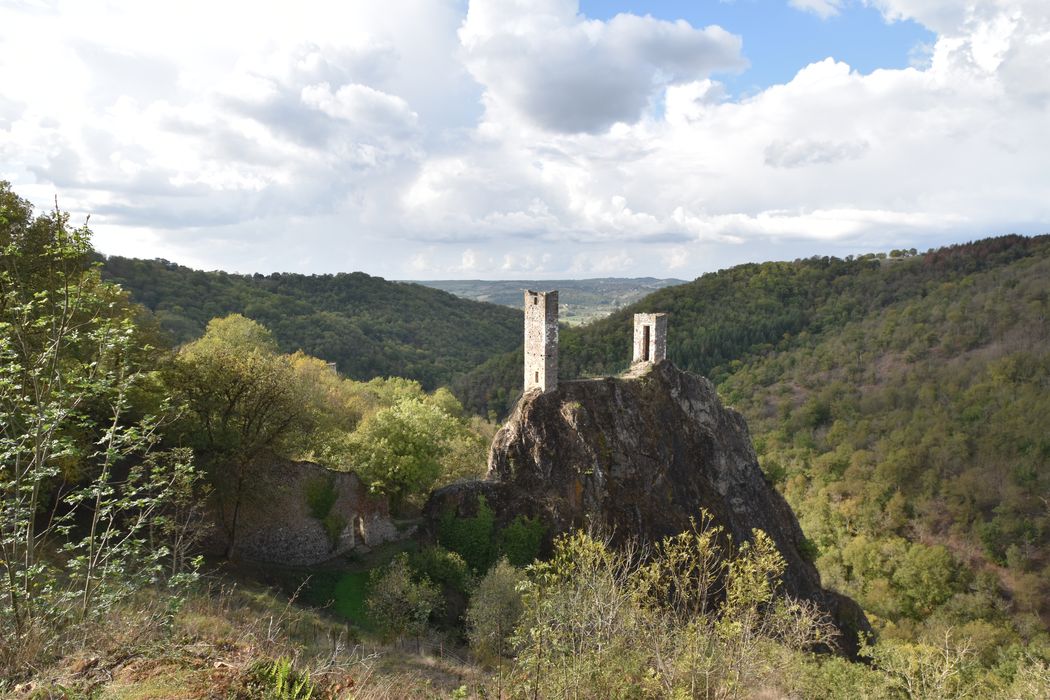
x: 424, y: 139
x: 821, y: 8
x: 550, y: 66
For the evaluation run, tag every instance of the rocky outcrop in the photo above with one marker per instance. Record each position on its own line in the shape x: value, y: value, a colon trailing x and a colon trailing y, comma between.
x: 300, y: 514
x: 638, y: 456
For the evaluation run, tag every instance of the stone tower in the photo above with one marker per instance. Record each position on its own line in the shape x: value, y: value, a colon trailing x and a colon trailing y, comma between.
x: 541, y: 340
x: 650, y: 338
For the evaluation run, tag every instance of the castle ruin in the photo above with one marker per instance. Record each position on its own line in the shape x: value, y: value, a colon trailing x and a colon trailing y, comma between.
x: 650, y: 338
x: 541, y: 340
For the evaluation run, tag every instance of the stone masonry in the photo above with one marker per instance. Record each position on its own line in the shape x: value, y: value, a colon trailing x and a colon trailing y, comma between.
x: 650, y: 338
x: 541, y: 341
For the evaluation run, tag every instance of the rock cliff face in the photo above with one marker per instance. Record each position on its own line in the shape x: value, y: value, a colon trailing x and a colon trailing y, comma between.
x: 638, y: 456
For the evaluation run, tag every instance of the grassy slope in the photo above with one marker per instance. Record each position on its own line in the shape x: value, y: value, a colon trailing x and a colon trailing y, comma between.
x: 221, y: 640
x: 368, y: 326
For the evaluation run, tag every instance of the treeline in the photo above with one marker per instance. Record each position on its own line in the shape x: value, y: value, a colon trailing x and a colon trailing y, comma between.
x: 366, y: 325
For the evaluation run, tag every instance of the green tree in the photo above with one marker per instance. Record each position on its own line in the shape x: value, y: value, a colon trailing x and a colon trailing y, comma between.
x: 494, y: 611
x: 398, y: 603
x: 398, y: 451
x: 80, y: 495
x: 244, y: 403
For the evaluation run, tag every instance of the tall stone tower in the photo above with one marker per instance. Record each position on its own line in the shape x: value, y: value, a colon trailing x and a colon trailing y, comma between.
x: 541, y: 340
x: 650, y: 338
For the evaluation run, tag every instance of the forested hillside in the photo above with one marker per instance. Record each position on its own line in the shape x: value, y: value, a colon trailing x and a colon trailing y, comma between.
x: 368, y: 326
x: 901, y: 402
x: 915, y: 445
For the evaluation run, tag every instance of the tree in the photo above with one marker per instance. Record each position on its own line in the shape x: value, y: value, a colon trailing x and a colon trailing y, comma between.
x: 494, y: 611
x: 78, y: 492
x: 398, y: 451
x: 399, y: 604
x: 244, y: 402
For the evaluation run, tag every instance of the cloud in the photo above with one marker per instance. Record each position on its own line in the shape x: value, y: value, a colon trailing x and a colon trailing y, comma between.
x: 800, y: 152
x: 367, y: 109
x: 546, y: 64
x: 418, y: 138
x: 821, y: 8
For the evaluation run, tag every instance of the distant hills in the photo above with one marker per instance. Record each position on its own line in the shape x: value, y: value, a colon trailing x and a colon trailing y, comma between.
x: 580, y: 301
x: 367, y: 325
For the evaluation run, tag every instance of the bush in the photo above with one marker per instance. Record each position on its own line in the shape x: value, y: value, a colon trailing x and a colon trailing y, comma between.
x: 320, y: 496
x: 494, y: 611
x: 443, y: 567
x: 472, y: 538
x: 399, y: 605
x: 520, y: 541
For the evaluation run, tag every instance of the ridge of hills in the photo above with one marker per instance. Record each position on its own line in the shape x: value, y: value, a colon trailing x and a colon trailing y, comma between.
x: 367, y: 325
x: 580, y: 301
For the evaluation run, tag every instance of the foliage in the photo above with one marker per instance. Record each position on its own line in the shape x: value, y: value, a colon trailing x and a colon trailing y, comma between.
x: 480, y: 542
x: 471, y: 537
x: 598, y: 622
x: 82, y: 497
x: 398, y: 451
x: 443, y: 567
x: 928, y: 470
x: 944, y: 670
x: 494, y: 611
x: 320, y: 496
x: 520, y: 540
x: 279, y: 680
x: 366, y: 325
x: 244, y: 403
x: 398, y: 603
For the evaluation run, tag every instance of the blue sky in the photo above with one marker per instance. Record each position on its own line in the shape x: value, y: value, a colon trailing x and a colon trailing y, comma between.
x: 503, y: 139
x: 780, y: 39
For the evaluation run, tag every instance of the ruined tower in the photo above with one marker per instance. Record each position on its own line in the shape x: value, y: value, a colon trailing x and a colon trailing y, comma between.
x: 650, y: 338
x: 541, y: 340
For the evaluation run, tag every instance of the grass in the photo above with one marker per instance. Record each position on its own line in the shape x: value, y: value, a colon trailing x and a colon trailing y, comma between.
x: 213, y: 646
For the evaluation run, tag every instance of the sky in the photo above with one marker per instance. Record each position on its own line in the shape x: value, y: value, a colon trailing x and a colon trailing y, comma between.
x: 527, y: 139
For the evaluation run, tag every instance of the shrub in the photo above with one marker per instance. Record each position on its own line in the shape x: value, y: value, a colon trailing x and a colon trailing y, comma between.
x: 399, y: 605
x: 472, y: 538
x: 494, y: 611
x: 442, y: 567
x: 520, y: 540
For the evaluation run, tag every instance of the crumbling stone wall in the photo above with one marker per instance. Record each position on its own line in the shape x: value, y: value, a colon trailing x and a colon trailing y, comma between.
x: 277, y: 522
